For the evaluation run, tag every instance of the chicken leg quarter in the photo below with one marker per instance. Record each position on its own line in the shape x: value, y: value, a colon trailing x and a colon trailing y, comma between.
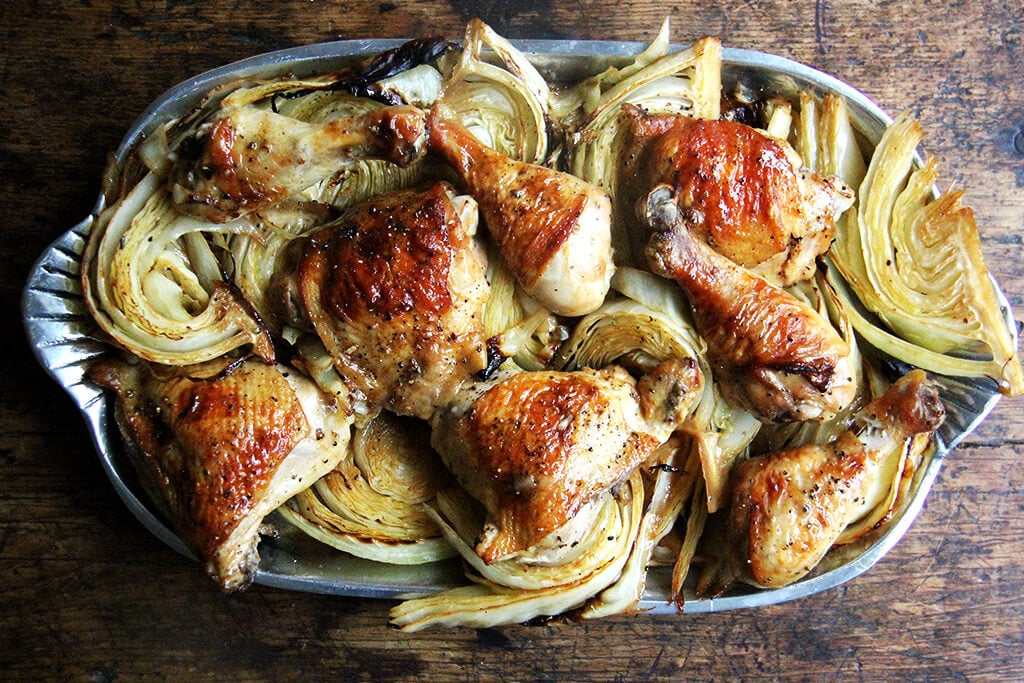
x: 788, y: 508
x: 773, y: 354
x: 536, y: 447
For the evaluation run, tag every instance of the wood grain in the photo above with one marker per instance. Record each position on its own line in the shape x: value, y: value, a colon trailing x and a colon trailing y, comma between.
x: 87, y: 593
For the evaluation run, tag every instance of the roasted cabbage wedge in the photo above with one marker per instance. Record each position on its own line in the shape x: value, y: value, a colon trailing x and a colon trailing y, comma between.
x: 504, y: 105
x: 908, y: 263
x: 370, y: 504
x: 152, y: 279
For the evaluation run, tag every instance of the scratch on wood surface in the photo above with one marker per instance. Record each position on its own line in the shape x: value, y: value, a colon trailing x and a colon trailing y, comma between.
x: 652, y: 672
x: 927, y: 573
x: 819, y: 26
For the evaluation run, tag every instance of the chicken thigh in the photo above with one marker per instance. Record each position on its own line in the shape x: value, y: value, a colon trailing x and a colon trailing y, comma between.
x: 751, y: 200
x: 772, y: 353
x: 788, y: 508
x: 250, y: 158
x: 224, y: 446
x: 395, y: 291
x: 536, y: 447
x: 552, y: 229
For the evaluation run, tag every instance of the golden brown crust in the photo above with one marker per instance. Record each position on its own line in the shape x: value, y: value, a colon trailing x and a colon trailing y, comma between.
x: 538, y: 446
x: 392, y: 257
x: 741, y: 182
x: 522, y: 433
x: 228, y: 164
x: 531, y: 211
x: 394, y: 291
x: 784, y: 523
x: 749, y: 197
x: 211, y: 445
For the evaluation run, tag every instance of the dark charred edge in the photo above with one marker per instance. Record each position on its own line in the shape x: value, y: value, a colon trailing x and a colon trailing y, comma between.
x: 250, y: 310
x: 753, y: 114
x: 360, y: 79
x: 494, y: 358
x: 819, y: 373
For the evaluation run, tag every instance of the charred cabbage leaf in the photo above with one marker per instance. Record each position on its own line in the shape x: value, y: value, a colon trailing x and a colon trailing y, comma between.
x: 503, y: 105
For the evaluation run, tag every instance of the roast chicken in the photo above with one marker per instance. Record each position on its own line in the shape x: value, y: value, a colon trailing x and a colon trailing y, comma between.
x: 221, y: 446
x: 553, y: 229
x: 788, y: 508
x: 746, y: 192
x: 772, y: 353
x: 536, y: 448
x: 249, y: 158
x: 395, y: 291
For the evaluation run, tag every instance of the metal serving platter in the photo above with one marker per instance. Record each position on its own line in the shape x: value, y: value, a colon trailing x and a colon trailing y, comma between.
x: 65, y: 340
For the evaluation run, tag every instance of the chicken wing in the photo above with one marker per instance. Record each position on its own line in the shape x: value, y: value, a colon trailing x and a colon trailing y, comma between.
x: 772, y: 353
x: 395, y: 290
x: 752, y: 201
x: 249, y: 158
x: 225, y: 446
x: 536, y: 447
x: 552, y: 229
x: 788, y: 508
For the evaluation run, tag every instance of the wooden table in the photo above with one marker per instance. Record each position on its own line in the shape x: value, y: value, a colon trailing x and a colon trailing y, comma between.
x: 87, y: 593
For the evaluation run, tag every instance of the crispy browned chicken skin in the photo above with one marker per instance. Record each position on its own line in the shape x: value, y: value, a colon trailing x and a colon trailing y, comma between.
x: 395, y: 290
x: 536, y: 447
x: 224, y: 445
x: 772, y: 353
x: 788, y: 508
x: 749, y: 198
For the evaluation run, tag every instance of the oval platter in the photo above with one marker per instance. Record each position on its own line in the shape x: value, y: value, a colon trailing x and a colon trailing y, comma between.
x: 65, y: 340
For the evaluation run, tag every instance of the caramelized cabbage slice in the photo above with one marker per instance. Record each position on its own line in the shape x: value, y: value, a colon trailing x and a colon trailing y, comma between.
x: 257, y: 258
x: 505, y: 107
x: 685, y: 82
x: 826, y: 140
x: 914, y: 260
x: 392, y: 76
x: 154, y: 283
x: 525, y: 331
x: 511, y: 591
x: 370, y: 504
x: 890, y: 489
x: 672, y: 477
x: 343, y: 511
x: 394, y: 456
